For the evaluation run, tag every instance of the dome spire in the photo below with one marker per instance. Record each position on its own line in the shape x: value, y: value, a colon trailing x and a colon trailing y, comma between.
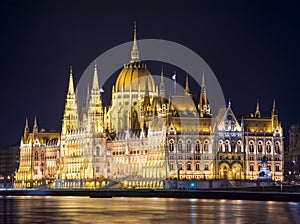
x: 134, y: 52
x: 95, y: 79
x: 257, y: 112
x: 71, y: 84
x: 187, y: 88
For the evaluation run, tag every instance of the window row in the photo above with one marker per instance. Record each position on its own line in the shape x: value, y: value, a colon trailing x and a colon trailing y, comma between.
x: 198, y: 147
x: 188, y: 167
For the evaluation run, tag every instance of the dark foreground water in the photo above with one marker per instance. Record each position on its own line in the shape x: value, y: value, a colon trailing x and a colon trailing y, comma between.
x: 39, y: 209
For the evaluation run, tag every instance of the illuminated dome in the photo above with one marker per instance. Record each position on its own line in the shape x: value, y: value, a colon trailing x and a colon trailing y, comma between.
x: 135, y: 74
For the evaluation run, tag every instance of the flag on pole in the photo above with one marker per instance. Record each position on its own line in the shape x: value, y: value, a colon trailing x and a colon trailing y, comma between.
x: 174, y: 76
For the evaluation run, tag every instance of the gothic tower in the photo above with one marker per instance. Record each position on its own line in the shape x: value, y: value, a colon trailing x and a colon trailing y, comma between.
x: 70, y: 119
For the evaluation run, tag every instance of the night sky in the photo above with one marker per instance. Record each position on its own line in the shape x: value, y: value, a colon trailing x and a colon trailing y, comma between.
x: 253, y: 50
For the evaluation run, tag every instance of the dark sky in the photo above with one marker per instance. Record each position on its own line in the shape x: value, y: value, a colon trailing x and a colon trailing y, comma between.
x: 253, y: 50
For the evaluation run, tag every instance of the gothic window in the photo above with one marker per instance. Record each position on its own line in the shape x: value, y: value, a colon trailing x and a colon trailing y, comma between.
x: 198, y: 157
x: 205, y: 146
x: 179, y: 166
x: 221, y: 148
x: 171, y: 146
x: 36, y: 155
x: 268, y: 147
x: 227, y: 146
x: 269, y: 166
x: 197, y: 147
x: 277, y: 147
x: 239, y: 146
x: 197, y: 166
x: 232, y: 145
x: 171, y: 166
x: 252, y: 167
x: 251, y: 147
x: 189, y: 166
x: 277, y: 168
x: 206, y: 166
x: 42, y: 156
x: 259, y: 147
x: 189, y: 146
x: 179, y: 146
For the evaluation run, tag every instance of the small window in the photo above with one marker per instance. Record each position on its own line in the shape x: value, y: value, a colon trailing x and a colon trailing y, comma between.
x: 205, y: 146
x: 251, y: 168
x: 251, y: 147
x: 206, y: 166
x: 189, y: 166
x: 259, y: 148
x: 171, y: 146
x: 197, y: 147
x: 179, y: 146
x: 189, y: 147
x: 197, y: 166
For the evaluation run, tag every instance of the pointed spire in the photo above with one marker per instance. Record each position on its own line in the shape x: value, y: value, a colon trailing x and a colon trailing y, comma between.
x: 274, y: 108
x: 95, y: 79
x: 134, y: 52
x: 71, y: 83
x: 35, y: 123
x: 26, y: 130
x: 203, y: 81
x: 35, y: 127
x: 187, y: 88
x: 162, y: 92
x: 229, y: 103
x: 257, y: 111
x: 26, y: 124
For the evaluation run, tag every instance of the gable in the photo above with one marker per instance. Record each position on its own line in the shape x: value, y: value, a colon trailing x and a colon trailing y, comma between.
x: 226, y: 120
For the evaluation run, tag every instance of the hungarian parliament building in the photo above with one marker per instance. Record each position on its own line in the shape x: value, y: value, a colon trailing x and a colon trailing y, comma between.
x: 145, y: 138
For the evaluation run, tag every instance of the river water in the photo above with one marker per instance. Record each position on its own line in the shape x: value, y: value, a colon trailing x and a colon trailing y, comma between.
x: 46, y: 209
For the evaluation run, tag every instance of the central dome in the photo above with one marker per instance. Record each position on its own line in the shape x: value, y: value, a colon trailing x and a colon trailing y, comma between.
x: 133, y: 76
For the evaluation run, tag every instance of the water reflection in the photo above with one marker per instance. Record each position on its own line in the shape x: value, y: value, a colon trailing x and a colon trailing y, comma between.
x: 144, y: 210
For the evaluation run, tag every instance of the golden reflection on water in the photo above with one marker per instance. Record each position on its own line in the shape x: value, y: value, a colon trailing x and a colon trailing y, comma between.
x: 143, y: 210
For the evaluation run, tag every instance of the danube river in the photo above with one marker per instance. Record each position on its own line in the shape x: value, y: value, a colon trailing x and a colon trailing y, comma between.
x: 45, y: 209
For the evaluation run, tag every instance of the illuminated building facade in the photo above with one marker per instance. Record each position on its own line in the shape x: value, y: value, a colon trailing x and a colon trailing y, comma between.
x: 39, y: 151
x: 143, y: 138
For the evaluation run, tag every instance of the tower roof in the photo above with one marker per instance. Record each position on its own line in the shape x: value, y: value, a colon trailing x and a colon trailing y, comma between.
x: 134, y: 75
x: 71, y: 83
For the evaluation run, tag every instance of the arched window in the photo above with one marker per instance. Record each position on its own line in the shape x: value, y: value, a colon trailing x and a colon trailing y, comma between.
x: 197, y: 166
x: 232, y: 146
x: 171, y: 166
x: 227, y: 149
x: 277, y: 168
x: 171, y: 146
x: 251, y: 167
x: 36, y: 155
x: 251, y: 147
x: 179, y: 146
x: 188, y: 166
x: 259, y: 147
x: 239, y: 146
x: 277, y: 147
x: 206, y: 166
x: 188, y: 146
x: 268, y: 147
x: 197, y: 147
x: 205, y: 146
